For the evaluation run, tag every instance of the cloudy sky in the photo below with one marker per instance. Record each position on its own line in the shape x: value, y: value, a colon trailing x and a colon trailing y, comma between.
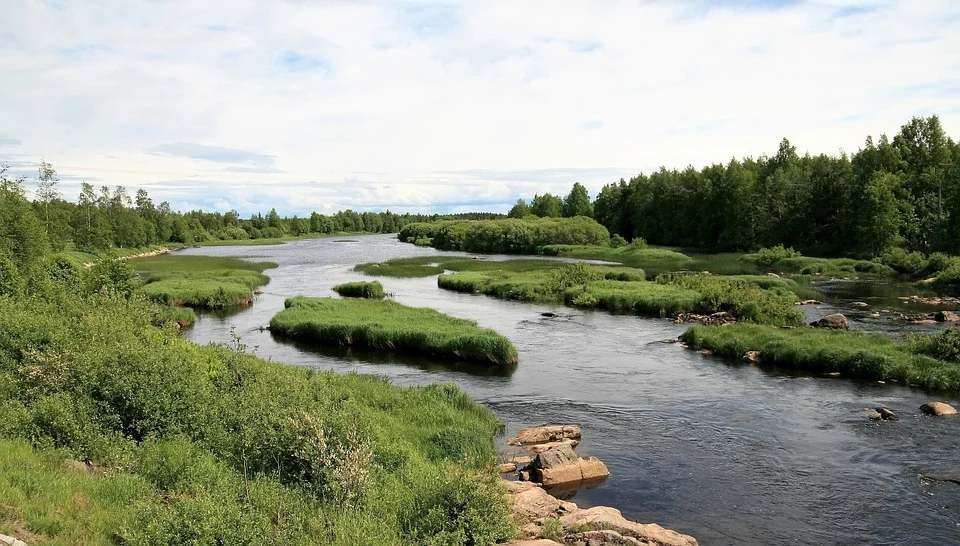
x: 448, y: 106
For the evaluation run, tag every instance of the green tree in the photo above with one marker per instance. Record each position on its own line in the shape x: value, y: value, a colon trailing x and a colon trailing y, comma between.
x: 519, y: 210
x: 577, y: 202
x: 22, y: 236
x: 47, y: 190
x: 878, y: 219
x: 547, y: 206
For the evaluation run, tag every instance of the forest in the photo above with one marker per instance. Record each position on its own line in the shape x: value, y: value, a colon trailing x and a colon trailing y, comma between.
x: 902, y: 192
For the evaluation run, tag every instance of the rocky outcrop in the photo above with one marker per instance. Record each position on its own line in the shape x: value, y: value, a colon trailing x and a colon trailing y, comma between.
x: 560, y: 466
x: 544, y: 434
x: 938, y: 409
x: 836, y: 321
x: 808, y: 302
x: 597, y: 526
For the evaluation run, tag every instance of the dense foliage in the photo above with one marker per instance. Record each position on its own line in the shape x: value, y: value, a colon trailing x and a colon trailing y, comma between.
x: 200, y: 281
x: 928, y: 361
x: 509, y: 236
x: 361, y: 289
x: 390, y: 326
x: 904, y: 190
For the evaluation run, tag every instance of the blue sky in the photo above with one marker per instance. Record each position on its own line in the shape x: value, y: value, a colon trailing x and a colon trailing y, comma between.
x: 440, y: 106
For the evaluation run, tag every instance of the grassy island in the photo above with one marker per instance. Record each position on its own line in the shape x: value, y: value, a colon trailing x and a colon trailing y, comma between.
x: 200, y: 281
x: 930, y: 361
x: 361, y: 289
x: 388, y: 325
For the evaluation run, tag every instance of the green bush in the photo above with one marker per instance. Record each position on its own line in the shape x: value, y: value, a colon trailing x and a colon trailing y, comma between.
x: 944, y: 345
x: 768, y: 257
x: 909, y: 263
x: 507, y: 236
x: 617, y: 241
x: 361, y: 289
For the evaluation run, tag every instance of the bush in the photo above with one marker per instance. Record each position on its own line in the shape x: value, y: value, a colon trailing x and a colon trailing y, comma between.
x: 617, y: 241
x: 944, y: 345
x: 768, y: 257
x: 909, y: 263
x: 111, y: 277
x: 361, y: 289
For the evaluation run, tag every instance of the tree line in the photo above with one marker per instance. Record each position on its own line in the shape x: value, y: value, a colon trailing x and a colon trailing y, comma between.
x: 899, y: 192
x: 103, y: 218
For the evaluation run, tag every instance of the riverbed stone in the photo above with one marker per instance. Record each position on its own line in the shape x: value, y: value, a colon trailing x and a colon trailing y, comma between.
x: 886, y: 414
x: 752, y: 356
x: 860, y: 304
x: 836, y: 321
x: 938, y: 409
x: 544, y: 434
x: 540, y: 448
x: 535, y: 503
x: 11, y: 541
x: 947, y: 316
x: 808, y: 302
x: 533, y: 542
x: 604, y: 517
x: 506, y: 468
x: 601, y: 538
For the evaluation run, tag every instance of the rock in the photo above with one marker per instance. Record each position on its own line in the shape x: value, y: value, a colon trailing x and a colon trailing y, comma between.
x: 947, y: 316
x: 808, y: 302
x: 521, y: 460
x: 874, y: 315
x: 524, y: 475
x: 860, y: 304
x: 547, y: 433
x: 258, y: 292
x: 938, y: 408
x: 11, y: 541
x: 560, y: 466
x: 705, y: 352
x: 752, y: 356
x: 922, y: 322
x: 835, y: 321
x: 887, y: 414
x: 670, y: 340
x: 517, y: 487
x: 601, y: 538
x: 774, y: 275
x: 834, y: 374
x: 533, y: 542
x: 540, y: 448
x: 610, y: 519
x: 534, y: 503
x: 507, y: 468
x: 874, y: 416
x: 548, y: 314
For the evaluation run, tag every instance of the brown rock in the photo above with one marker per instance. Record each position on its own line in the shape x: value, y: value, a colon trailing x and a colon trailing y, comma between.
x: 534, y: 503
x: 540, y: 448
x: 522, y: 459
x: 593, y: 469
x: 548, y: 433
x: 752, y: 356
x: 533, y: 542
x: 938, y: 408
x: 808, y: 302
x: 860, y: 304
x: 603, y: 517
x: 874, y: 416
x: 513, y: 487
x: 887, y: 414
x: 601, y: 538
x: 11, y: 541
x: 947, y: 316
x: 507, y: 468
x: 524, y: 475
x: 835, y: 321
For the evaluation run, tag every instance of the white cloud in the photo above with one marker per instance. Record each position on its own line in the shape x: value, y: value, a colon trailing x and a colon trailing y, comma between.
x: 434, y: 105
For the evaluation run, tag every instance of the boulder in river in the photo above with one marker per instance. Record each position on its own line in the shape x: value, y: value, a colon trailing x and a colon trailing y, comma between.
x: 506, y: 468
x: 947, y: 316
x: 544, y: 434
x: 860, y: 304
x: 886, y: 414
x: 610, y: 519
x: 808, y: 302
x: 752, y: 356
x: 561, y: 466
x: 938, y: 408
x: 836, y: 321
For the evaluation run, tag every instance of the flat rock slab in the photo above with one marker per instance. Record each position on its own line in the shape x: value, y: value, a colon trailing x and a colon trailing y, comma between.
x: 544, y: 434
x: 11, y: 541
x: 938, y: 408
x: 610, y: 519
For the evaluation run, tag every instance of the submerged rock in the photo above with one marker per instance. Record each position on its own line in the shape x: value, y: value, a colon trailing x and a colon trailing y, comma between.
x: 808, y: 302
x: 860, y: 304
x: 886, y: 414
x: 938, y: 409
x: 947, y: 316
x: 752, y: 356
x: 836, y: 321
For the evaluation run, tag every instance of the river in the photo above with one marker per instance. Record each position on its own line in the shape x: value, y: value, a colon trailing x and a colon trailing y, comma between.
x: 727, y: 452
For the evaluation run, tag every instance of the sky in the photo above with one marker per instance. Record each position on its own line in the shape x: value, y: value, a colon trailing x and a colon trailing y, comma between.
x: 443, y: 106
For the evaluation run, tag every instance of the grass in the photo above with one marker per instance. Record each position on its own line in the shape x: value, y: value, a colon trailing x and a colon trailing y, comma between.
x: 200, y: 281
x: 653, y: 260
x: 276, y: 240
x: 620, y: 290
x: 212, y: 445
x: 853, y: 354
x: 83, y: 257
x: 390, y: 326
x: 361, y: 289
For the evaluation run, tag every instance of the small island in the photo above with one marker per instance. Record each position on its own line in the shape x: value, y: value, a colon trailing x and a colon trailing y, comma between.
x: 389, y: 326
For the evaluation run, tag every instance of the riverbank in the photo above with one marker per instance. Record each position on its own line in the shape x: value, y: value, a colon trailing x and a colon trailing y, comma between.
x: 194, y: 281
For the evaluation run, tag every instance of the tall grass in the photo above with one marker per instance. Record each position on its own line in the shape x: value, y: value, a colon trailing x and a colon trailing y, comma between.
x: 200, y: 281
x: 388, y: 325
x: 361, y: 289
x: 853, y: 354
x: 208, y: 445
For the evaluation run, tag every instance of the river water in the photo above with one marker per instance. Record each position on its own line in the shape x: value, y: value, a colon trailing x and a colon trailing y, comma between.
x: 727, y: 452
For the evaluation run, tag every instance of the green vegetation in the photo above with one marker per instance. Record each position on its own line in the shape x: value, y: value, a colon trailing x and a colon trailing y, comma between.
x: 361, y: 289
x: 624, y: 291
x: 510, y: 236
x: 208, y: 445
x: 200, y: 281
x: 926, y: 361
x: 652, y: 260
x: 788, y: 260
x: 388, y: 325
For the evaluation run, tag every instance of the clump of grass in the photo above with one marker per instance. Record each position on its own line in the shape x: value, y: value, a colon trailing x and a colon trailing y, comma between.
x: 652, y: 260
x: 790, y: 261
x: 943, y: 345
x: 420, y: 266
x: 853, y: 354
x: 388, y: 325
x: 361, y: 289
x: 200, y: 281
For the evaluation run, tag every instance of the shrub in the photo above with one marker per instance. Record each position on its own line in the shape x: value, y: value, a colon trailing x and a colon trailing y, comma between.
x: 112, y: 277
x: 944, y: 345
x: 617, y: 241
x: 768, y: 257
x: 361, y: 289
x: 910, y: 263
x: 637, y: 243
